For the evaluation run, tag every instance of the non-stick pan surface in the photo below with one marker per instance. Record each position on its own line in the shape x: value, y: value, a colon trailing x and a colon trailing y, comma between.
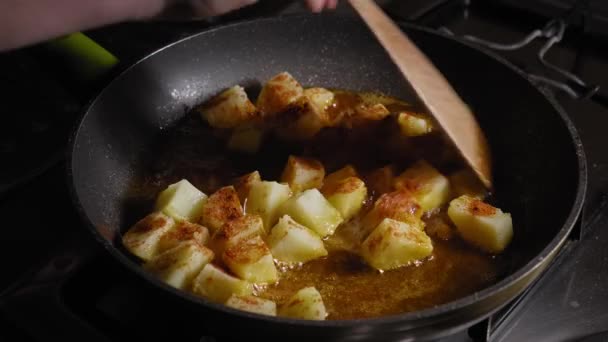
x: 539, y: 166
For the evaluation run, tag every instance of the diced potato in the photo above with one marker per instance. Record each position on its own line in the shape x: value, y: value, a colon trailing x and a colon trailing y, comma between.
x: 143, y: 238
x: 250, y: 259
x: 178, y: 265
x: 464, y: 182
x: 394, y: 244
x: 221, y: 207
x: 293, y: 243
x: 336, y: 176
x: 228, y: 109
x: 238, y: 229
x: 305, y: 304
x: 481, y: 224
x: 312, y: 210
x: 370, y: 112
x: 380, y: 181
x: 311, y: 114
x: 348, y: 196
x: 253, y: 304
x: 320, y: 98
x: 430, y: 188
x: 246, y: 139
x: 217, y: 285
x: 278, y: 93
x: 357, y: 110
x: 183, y: 231
x: 303, y: 173
x: 412, y: 125
x: 397, y: 205
x: 243, y: 185
x: 265, y: 198
x: 393, y: 104
x: 182, y: 201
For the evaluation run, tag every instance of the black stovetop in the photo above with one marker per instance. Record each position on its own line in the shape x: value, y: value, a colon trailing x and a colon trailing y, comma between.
x: 58, y: 284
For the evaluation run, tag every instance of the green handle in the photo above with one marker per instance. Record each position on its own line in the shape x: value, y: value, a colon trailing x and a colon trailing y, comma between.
x: 88, y: 59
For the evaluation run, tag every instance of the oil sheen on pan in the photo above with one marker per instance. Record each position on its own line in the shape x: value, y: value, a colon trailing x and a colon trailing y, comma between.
x: 313, y: 203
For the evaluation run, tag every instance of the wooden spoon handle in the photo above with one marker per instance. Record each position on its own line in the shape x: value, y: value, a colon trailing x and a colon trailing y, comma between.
x: 434, y: 91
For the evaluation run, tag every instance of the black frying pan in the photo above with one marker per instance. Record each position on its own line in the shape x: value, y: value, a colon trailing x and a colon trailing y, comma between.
x: 539, y: 166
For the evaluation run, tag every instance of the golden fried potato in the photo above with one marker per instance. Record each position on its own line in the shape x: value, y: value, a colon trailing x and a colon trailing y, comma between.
x: 221, y: 207
x: 228, y: 109
x: 303, y: 173
x: 278, y: 93
x: 397, y: 205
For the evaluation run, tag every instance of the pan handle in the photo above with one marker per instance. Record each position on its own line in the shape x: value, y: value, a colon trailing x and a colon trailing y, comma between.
x: 87, y: 60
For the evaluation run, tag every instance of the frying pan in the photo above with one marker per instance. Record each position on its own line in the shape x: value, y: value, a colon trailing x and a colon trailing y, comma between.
x: 540, y: 170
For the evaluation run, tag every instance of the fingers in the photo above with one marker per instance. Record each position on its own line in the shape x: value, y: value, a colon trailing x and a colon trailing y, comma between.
x: 218, y: 7
x: 319, y: 5
x: 315, y: 5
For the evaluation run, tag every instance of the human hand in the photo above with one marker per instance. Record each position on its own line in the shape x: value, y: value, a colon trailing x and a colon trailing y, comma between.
x: 24, y: 22
x: 319, y: 5
x: 209, y: 8
x: 218, y: 7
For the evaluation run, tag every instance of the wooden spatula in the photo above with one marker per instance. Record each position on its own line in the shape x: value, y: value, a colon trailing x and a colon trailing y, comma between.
x: 433, y: 90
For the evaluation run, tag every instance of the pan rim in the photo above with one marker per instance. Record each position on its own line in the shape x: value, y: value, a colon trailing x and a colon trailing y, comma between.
x: 538, y: 262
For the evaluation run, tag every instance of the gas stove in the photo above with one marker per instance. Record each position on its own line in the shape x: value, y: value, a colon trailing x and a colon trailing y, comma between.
x: 58, y: 284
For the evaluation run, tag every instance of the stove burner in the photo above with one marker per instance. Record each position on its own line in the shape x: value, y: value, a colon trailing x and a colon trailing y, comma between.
x: 553, y: 32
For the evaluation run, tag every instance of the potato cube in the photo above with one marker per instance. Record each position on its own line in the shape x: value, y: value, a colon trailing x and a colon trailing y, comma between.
x: 305, y: 304
x: 293, y: 243
x: 183, y: 231
x: 481, y: 224
x: 394, y: 244
x: 253, y: 304
x: 380, y: 181
x: 182, y: 201
x: 228, y: 109
x: 278, y: 93
x: 311, y: 114
x: 366, y: 112
x: 143, y: 238
x: 246, y: 139
x: 243, y: 185
x: 348, y: 196
x: 320, y: 98
x: 464, y: 182
x: 250, y: 259
x: 303, y: 174
x: 373, y: 98
x: 336, y: 176
x: 217, y: 285
x: 396, y: 205
x: 178, y: 265
x: 412, y: 125
x: 430, y: 188
x: 238, y: 229
x: 312, y: 210
x: 357, y: 109
x: 221, y: 207
x: 265, y: 199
